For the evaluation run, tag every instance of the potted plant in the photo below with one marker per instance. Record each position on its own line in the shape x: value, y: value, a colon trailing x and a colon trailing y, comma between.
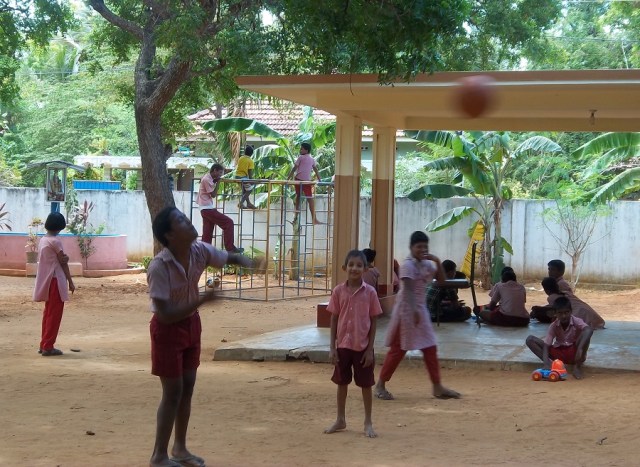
x: 33, y: 240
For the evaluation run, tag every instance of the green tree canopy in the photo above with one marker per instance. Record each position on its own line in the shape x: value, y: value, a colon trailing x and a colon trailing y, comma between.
x: 188, y: 51
x: 23, y: 22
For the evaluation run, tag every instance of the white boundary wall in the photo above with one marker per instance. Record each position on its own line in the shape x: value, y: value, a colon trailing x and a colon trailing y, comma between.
x: 613, y: 258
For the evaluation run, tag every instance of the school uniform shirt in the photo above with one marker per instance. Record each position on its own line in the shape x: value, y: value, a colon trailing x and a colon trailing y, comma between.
x: 304, y: 164
x: 511, y: 297
x: 245, y: 163
x: 354, y: 311
x: 371, y: 277
x: 564, y: 287
x: 558, y: 337
x: 168, y: 280
x: 207, y: 185
x: 413, y: 337
x: 48, y: 268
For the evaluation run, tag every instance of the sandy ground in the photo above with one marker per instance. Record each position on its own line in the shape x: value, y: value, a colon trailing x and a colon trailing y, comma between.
x: 97, y: 406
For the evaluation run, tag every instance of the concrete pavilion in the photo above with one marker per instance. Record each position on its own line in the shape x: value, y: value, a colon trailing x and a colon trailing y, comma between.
x: 591, y: 100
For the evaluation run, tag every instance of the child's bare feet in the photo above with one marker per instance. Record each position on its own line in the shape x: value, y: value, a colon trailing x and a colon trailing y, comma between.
x: 337, y: 426
x: 577, y: 372
x: 441, y: 392
x: 368, y: 431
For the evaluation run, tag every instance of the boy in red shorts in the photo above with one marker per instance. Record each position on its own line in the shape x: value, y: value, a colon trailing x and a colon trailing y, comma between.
x: 175, y: 327
x: 567, y: 339
x: 302, y: 168
x: 354, y: 307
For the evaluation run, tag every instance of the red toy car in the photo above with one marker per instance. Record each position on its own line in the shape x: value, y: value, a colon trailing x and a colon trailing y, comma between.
x: 558, y: 372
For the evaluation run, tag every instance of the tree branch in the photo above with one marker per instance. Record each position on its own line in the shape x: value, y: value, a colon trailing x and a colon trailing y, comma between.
x: 128, y: 26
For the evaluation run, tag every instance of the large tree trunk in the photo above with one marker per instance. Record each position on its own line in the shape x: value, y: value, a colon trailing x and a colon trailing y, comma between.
x: 153, y: 154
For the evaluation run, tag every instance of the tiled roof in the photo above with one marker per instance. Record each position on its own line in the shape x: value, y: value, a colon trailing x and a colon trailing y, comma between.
x: 284, y: 118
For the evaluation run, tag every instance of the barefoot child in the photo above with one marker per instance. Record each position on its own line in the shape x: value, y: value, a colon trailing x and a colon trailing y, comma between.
x: 354, y: 307
x: 52, y: 278
x: 567, y: 339
x: 175, y: 327
x: 410, y: 326
x: 302, y: 168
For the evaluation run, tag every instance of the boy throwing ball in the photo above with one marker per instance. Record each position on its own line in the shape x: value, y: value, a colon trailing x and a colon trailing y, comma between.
x: 175, y: 327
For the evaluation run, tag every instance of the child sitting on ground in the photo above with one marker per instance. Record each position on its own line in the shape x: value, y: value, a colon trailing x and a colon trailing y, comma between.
x: 354, y: 308
x: 582, y: 310
x: 567, y: 339
x: 507, y: 303
x: 579, y: 308
x: 444, y: 301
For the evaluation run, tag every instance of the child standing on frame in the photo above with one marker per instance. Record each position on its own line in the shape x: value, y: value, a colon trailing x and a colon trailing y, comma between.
x: 52, y: 279
x: 410, y: 326
x: 302, y: 170
x: 354, y: 308
x: 244, y: 171
x: 175, y: 327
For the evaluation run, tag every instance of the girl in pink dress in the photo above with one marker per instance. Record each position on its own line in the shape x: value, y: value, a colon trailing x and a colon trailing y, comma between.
x: 410, y: 326
x: 52, y: 277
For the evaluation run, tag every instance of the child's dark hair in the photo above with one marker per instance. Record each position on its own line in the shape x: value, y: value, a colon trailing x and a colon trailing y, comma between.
x: 248, y: 150
x: 508, y: 275
x: 55, y: 222
x: 505, y: 269
x: 448, y: 265
x: 216, y: 166
x: 306, y: 146
x: 355, y: 254
x: 557, y: 264
x: 549, y: 284
x: 562, y: 303
x: 418, y: 237
x: 369, y: 254
x: 161, y: 224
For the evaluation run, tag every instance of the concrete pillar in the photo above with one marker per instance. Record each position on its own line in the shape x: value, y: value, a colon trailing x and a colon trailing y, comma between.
x: 106, y: 172
x: 382, y: 205
x: 346, y: 217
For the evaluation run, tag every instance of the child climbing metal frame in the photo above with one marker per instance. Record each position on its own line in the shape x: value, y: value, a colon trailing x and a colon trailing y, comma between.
x: 298, y: 252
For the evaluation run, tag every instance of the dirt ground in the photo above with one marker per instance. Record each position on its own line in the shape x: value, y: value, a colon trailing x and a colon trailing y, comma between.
x: 97, y: 406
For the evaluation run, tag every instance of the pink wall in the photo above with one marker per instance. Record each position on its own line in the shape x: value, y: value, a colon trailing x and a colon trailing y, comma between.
x: 110, y: 253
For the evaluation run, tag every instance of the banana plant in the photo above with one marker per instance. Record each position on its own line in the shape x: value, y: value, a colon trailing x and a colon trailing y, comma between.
x: 611, y: 153
x: 480, y: 161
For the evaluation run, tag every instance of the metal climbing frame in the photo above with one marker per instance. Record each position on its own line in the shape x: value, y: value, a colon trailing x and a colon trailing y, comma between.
x: 298, y: 252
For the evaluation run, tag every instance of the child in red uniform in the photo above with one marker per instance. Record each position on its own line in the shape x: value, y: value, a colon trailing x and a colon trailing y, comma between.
x: 354, y: 307
x: 52, y: 278
x: 410, y: 326
x: 567, y: 339
x: 175, y: 327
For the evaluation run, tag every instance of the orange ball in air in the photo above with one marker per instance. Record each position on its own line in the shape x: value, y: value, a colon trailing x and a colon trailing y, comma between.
x: 474, y: 95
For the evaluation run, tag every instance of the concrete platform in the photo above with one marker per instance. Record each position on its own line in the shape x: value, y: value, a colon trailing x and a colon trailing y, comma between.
x: 616, y: 348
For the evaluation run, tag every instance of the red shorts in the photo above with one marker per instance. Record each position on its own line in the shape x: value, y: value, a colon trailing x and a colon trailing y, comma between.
x: 307, y: 189
x: 565, y: 353
x: 175, y: 347
x: 348, y: 359
x: 500, y: 319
